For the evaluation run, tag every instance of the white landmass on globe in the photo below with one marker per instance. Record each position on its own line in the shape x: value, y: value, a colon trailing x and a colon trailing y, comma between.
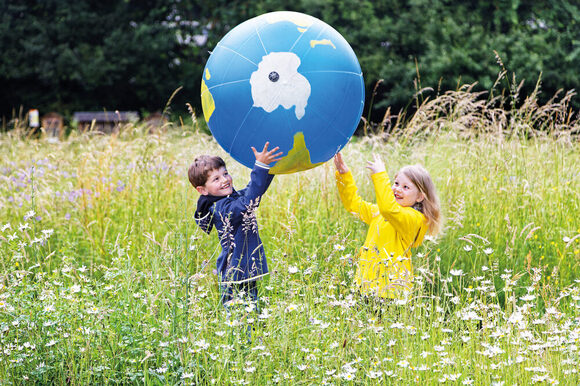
x: 301, y: 20
x: 277, y: 82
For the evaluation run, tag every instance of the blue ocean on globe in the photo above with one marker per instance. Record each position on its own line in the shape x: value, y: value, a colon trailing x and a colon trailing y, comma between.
x: 286, y: 78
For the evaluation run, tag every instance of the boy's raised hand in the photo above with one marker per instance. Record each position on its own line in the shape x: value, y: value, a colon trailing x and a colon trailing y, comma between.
x: 340, y: 164
x: 376, y: 165
x: 267, y: 156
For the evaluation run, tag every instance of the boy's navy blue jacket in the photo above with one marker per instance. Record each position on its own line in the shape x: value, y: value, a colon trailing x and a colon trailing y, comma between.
x: 234, y: 216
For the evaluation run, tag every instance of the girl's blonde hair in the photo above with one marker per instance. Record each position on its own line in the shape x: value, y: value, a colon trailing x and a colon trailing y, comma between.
x: 430, y: 205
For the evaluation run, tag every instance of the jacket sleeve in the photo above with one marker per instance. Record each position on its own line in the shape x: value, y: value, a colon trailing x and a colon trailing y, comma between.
x: 260, y: 180
x: 352, y: 201
x: 251, y: 195
x: 406, y: 221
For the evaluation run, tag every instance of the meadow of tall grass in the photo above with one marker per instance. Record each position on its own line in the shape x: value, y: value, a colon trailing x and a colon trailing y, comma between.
x: 105, y: 278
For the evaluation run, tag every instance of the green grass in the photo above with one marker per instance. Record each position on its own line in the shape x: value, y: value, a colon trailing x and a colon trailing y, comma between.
x: 104, y: 276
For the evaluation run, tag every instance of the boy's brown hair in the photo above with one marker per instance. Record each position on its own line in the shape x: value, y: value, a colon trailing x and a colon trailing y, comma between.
x: 200, y: 168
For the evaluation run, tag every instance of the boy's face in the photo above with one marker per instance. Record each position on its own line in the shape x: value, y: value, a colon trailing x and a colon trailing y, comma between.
x: 406, y: 193
x: 219, y: 183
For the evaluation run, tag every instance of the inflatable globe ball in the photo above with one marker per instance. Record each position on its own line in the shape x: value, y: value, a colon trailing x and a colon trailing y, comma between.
x: 286, y: 78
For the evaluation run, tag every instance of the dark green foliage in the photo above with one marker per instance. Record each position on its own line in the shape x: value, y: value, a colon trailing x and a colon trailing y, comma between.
x: 71, y: 55
x: 128, y: 54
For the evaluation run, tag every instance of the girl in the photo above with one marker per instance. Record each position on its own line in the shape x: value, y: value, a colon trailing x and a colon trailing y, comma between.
x: 404, y: 212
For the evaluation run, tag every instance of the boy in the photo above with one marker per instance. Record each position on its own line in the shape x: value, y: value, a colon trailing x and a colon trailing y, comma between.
x: 242, y: 260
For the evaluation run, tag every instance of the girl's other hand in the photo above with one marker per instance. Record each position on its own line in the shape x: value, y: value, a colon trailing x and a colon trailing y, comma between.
x: 339, y: 164
x: 376, y: 165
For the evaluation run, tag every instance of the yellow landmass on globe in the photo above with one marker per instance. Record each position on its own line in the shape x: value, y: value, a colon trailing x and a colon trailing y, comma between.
x: 207, y: 74
x: 325, y: 42
x: 302, y: 21
x: 207, y: 102
x: 297, y: 159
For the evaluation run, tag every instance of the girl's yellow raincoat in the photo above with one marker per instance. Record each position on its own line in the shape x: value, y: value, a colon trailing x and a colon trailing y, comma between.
x: 384, y: 264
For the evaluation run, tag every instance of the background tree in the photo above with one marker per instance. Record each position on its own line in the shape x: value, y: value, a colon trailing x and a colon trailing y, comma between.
x: 127, y: 54
x: 69, y: 55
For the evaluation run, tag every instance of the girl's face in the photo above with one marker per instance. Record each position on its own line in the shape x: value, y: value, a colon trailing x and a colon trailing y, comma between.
x: 406, y: 193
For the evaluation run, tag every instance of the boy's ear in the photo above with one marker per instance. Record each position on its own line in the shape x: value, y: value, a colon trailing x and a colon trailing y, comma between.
x: 202, y: 190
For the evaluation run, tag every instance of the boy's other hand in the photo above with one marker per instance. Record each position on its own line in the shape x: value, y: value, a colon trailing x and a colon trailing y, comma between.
x: 267, y: 156
x: 340, y: 164
x: 376, y: 165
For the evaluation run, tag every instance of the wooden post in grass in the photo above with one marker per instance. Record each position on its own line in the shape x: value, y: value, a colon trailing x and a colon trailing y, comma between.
x: 52, y: 123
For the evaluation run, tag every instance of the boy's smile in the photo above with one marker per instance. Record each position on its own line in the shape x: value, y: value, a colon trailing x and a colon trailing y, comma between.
x: 406, y: 193
x: 219, y: 183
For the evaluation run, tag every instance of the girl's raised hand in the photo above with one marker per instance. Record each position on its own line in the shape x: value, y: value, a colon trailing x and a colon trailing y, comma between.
x: 376, y: 165
x: 267, y: 156
x: 339, y: 164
